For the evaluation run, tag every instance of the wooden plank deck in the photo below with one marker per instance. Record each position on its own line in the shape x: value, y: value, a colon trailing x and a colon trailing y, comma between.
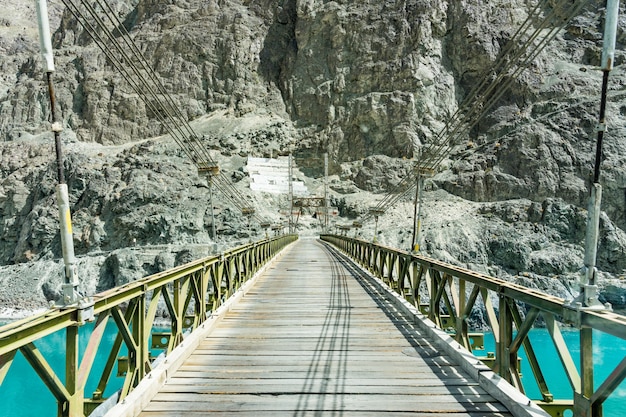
x: 310, y: 339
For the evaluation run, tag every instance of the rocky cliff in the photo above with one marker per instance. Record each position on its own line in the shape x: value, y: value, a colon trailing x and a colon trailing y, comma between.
x: 369, y: 82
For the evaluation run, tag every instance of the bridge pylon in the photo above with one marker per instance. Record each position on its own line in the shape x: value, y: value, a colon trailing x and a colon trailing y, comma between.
x: 210, y: 170
x: 421, y: 173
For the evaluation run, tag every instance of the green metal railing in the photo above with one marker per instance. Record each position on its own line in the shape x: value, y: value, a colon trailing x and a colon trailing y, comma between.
x: 448, y: 294
x: 189, y: 292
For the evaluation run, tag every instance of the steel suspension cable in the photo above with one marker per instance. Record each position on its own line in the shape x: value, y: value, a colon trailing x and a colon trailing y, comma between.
x: 170, y: 110
x: 477, y: 105
x: 500, y: 86
x: 124, y: 71
x: 484, y: 79
x: 141, y: 59
x: 478, y: 102
x: 498, y: 67
x: 221, y: 183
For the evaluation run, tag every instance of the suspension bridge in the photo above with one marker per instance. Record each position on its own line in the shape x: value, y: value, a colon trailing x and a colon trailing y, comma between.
x: 329, y: 326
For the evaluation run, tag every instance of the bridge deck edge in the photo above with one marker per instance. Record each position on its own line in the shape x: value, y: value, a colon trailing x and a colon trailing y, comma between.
x: 140, y: 397
x: 517, y: 403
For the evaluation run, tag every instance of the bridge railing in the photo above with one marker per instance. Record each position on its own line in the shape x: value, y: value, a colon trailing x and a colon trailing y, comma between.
x: 447, y: 295
x: 189, y: 292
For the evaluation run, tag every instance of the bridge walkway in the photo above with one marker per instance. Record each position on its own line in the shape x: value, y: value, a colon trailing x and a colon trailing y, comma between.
x: 313, y: 338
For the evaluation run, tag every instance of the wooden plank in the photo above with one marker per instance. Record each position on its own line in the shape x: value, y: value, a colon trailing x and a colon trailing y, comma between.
x: 287, y: 343
x: 274, y: 413
x: 323, y: 403
x: 311, y: 339
x: 319, y: 386
x: 291, y: 381
x: 250, y: 372
x: 328, y: 357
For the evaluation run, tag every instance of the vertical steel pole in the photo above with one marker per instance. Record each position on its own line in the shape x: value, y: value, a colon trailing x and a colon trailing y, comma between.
x: 70, y: 285
x: 141, y: 334
x: 326, y: 192
x: 249, y: 218
x: 212, y: 208
x: 588, y: 298
x: 588, y: 287
x: 420, y: 205
x: 375, y: 229
x: 290, y: 195
x: 417, y: 213
x: 415, y: 202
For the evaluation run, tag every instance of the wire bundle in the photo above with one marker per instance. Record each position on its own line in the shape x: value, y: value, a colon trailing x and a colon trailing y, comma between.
x: 521, y: 50
x: 101, y: 23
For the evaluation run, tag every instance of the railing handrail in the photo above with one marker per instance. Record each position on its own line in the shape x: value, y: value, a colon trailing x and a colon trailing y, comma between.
x: 133, y: 306
x: 67, y: 316
x: 405, y: 273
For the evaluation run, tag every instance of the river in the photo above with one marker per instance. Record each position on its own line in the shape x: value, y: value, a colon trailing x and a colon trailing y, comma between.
x: 22, y: 385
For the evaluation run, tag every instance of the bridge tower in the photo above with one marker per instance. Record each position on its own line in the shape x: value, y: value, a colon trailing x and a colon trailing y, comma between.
x: 421, y: 173
x: 210, y: 171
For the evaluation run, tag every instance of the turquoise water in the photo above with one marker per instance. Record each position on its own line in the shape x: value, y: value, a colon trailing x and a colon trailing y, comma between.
x: 608, y: 352
x: 22, y: 385
x: 23, y: 394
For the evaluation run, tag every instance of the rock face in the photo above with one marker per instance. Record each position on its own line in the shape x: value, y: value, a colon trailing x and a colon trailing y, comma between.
x: 369, y: 82
x: 371, y: 77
